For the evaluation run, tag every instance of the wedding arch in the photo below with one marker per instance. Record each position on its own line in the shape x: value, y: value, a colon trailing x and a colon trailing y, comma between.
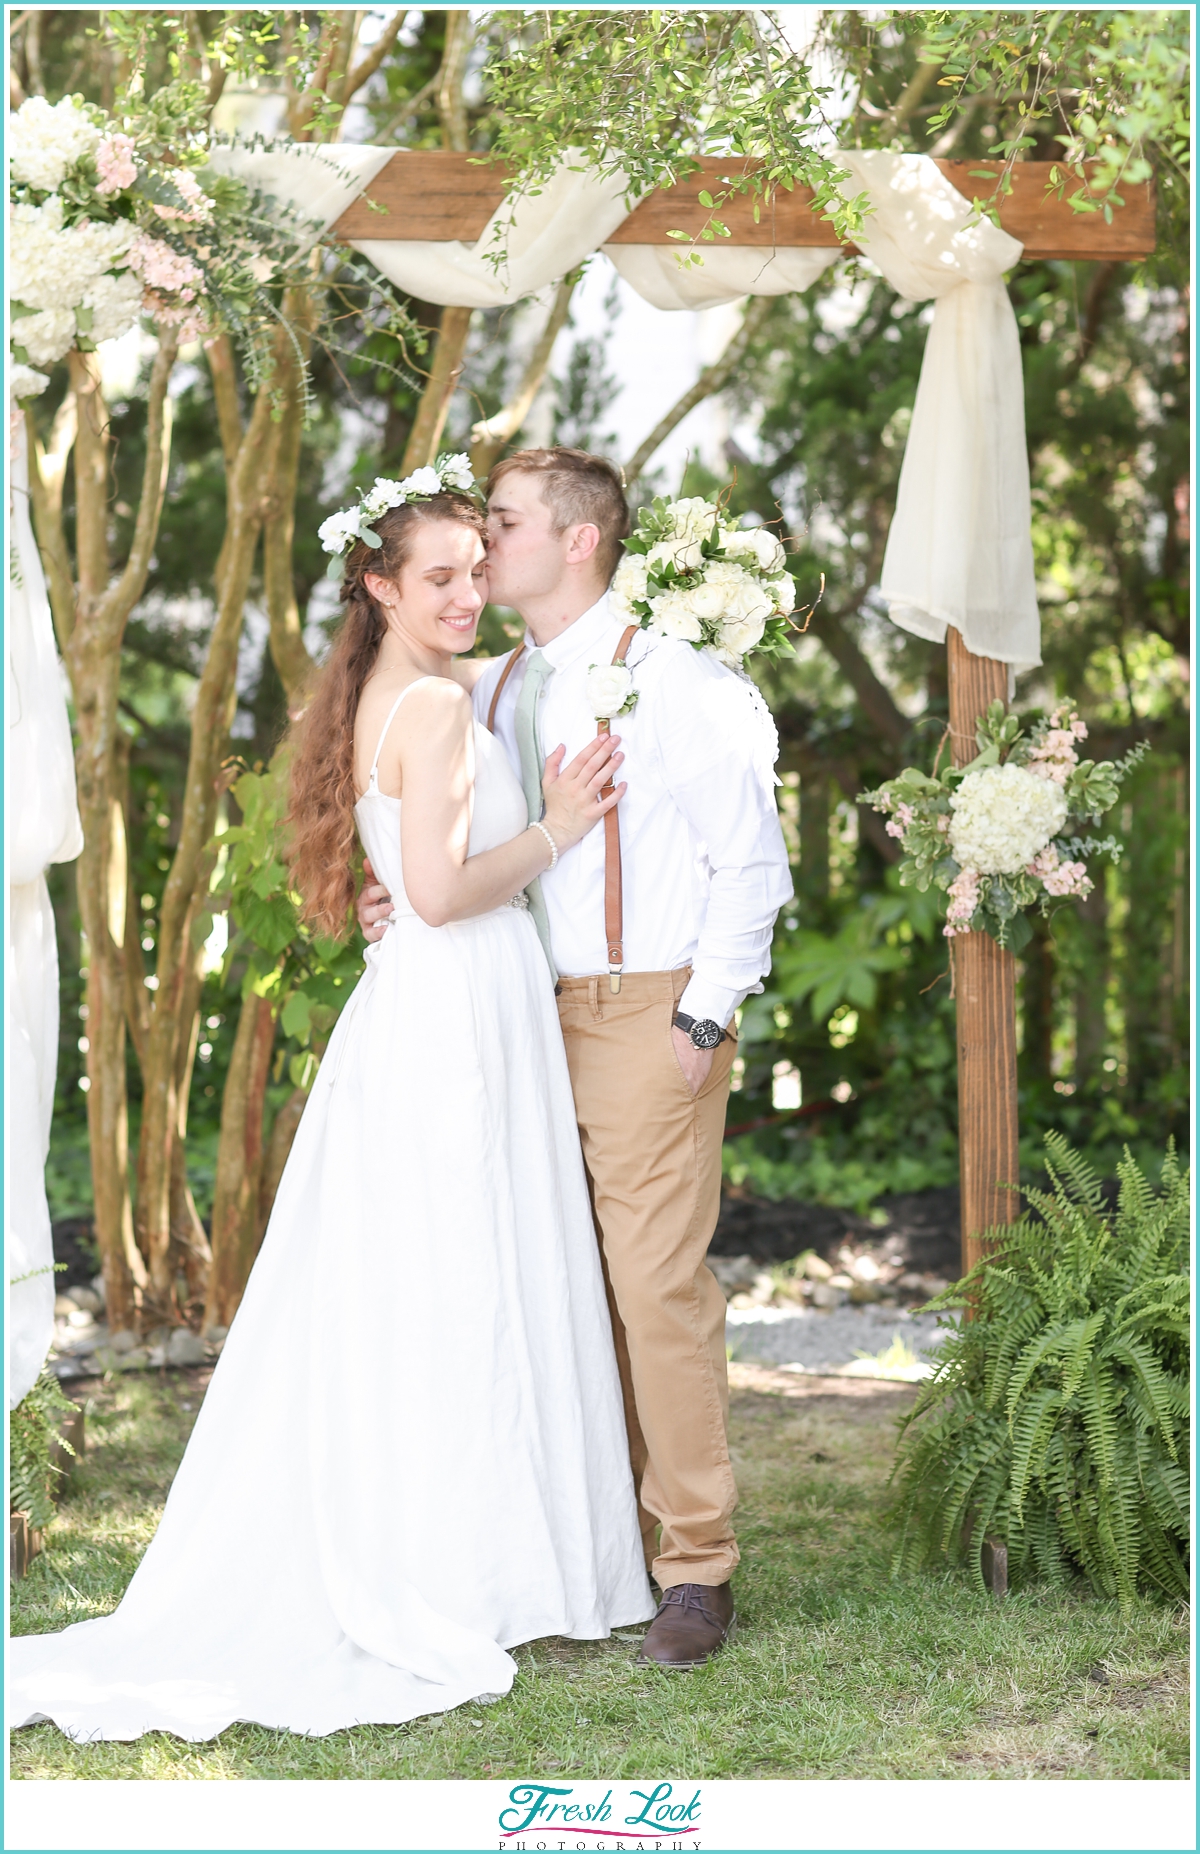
x: 958, y: 566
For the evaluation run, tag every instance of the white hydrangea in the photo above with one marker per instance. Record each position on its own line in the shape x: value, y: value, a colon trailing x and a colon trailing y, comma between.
x: 25, y: 383
x: 115, y: 303
x: 46, y: 336
x: 1003, y: 817
x: 45, y: 141
x: 51, y: 267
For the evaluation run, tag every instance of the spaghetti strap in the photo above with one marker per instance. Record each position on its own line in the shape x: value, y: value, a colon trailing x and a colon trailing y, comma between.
x: 374, y: 778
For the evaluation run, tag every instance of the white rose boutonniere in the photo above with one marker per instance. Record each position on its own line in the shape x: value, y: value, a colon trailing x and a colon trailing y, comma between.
x: 610, y: 690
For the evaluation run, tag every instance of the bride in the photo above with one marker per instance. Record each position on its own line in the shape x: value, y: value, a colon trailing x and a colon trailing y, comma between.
x: 411, y: 1456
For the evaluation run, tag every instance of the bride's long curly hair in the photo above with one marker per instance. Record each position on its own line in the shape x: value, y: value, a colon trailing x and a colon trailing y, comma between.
x: 320, y: 820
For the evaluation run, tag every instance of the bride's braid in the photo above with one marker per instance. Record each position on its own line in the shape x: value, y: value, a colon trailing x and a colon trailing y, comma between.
x: 322, y: 847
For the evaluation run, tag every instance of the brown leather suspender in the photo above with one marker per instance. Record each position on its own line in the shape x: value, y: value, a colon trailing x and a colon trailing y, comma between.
x: 614, y: 927
x: 613, y: 903
x: 505, y: 673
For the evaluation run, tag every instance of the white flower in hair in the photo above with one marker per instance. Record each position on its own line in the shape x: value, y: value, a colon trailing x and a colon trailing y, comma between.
x: 456, y: 472
x: 423, y: 482
x: 339, y: 531
x: 384, y: 494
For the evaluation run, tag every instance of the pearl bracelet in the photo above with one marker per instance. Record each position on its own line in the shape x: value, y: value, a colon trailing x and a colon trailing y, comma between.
x: 549, y: 840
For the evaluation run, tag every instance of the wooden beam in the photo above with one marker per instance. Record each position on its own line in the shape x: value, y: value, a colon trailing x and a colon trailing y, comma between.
x: 436, y: 194
x: 985, y: 995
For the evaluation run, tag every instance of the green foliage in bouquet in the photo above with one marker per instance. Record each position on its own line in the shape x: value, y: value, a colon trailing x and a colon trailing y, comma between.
x: 1057, y: 1418
x: 34, y: 1439
x: 308, y: 977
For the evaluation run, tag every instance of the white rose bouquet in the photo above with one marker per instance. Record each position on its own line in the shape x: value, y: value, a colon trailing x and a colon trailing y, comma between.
x: 690, y: 572
x: 1001, y: 835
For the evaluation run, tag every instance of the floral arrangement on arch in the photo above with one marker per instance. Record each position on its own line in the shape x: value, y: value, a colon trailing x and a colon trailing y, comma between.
x: 690, y: 572
x: 115, y: 217
x: 1006, y: 833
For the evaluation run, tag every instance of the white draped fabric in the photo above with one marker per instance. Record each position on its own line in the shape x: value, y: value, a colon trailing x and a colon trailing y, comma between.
x: 959, y: 551
x: 42, y: 825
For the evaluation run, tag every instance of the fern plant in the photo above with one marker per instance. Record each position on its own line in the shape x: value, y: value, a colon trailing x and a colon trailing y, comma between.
x: 35, y: 1436
x: 1057, y: 1418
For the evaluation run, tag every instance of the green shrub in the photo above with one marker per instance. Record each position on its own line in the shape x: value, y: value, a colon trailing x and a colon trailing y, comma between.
x: 35, y: 1436
x: 1057, y: 1418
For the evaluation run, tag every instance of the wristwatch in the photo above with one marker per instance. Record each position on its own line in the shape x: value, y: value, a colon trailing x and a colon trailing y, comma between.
x: 705, y: 1034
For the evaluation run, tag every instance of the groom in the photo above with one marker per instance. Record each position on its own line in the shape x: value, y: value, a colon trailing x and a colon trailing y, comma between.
x: 699, y: 876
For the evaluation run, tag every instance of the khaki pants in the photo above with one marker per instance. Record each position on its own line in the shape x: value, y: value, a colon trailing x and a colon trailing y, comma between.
x: 653, y: 1157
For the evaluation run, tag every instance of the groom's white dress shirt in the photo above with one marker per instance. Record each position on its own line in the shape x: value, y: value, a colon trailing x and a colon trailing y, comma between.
x: 705, y: 869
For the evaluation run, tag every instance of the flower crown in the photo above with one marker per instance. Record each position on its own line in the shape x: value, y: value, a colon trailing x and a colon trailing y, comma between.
x: 339, y: 533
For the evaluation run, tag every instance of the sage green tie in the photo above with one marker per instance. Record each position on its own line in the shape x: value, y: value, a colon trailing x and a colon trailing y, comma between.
x: 529, y: 747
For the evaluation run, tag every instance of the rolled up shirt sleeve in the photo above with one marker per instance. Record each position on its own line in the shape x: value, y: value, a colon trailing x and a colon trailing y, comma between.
x: 717, y: 768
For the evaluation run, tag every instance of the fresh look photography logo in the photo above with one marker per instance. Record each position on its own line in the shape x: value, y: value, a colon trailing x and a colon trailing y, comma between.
x: 662, y: 1816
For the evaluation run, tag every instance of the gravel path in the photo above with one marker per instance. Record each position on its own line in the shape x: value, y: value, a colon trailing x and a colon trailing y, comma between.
x: 802, y: 1336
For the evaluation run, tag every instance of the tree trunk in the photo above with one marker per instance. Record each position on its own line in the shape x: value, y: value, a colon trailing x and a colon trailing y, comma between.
x: 984, y: 976
x: 434, y: 404
x: 288, y: 649
x: 191, y: 867
x: 235, y: 1231
x: 93, y: 661
x: 279, y: 1145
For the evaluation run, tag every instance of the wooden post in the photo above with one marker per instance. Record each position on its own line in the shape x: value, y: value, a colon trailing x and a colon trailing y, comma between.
x: 985, y: 991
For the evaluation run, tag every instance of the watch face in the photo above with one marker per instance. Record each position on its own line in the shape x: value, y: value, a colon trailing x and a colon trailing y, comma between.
x: 706, y: 1034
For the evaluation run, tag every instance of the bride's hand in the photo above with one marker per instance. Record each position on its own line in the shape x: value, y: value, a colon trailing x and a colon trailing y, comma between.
x: 573, y: 801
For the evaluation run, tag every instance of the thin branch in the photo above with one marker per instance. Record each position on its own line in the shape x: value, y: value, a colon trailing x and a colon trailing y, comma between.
x: 224, y: 379
x: 490, y: 435
x: 368, y: 66
x: 128, y: 590
x: 451, y: 108
x: 410, y: 108
x: 711, y: 380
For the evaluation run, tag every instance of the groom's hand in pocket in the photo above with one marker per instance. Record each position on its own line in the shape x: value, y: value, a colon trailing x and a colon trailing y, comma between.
x: 374, y: 905
x: 695, y: 1063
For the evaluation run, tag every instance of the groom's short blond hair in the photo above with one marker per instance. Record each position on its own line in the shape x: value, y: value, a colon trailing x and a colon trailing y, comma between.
x: 576, y: 487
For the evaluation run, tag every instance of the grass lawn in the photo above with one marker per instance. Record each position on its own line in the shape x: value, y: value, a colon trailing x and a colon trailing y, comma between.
x: 837, y: 1671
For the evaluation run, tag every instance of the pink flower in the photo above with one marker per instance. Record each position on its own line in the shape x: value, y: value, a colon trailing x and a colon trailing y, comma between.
x: 115, y: 164
x: 1059, y: 878
x: 162, y: 269
x: 896, y: 827
x: 964, y: 899
x: 198, y: 205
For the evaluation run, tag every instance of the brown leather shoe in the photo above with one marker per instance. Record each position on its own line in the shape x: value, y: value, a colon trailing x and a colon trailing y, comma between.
x: 693, y: 1621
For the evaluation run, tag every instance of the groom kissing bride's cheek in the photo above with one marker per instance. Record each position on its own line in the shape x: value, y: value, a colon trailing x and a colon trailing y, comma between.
x: 575, y: 863
x: 654, y: 932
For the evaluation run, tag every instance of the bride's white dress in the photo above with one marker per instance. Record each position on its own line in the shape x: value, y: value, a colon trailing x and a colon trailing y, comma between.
x: 411, y: 1456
